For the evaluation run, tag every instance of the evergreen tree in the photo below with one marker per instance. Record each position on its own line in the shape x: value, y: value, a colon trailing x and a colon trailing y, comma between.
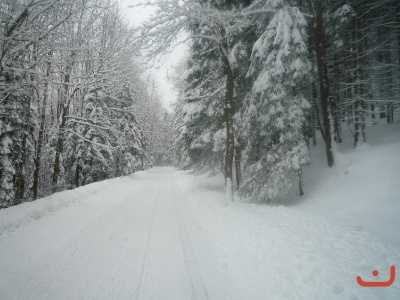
x: 202, y: 109
x: 128, y: 137
x: 273, y: 116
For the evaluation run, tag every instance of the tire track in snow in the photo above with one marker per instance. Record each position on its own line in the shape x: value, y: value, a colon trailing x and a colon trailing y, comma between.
x: 74, y: 246
x: 197, y: 284
x: 132, y: 242
x: 145, y: 258
x: 170, y: 270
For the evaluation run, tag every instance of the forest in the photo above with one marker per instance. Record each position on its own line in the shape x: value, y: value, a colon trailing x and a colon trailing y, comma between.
x: 260, y: 80
x: 75, y: 106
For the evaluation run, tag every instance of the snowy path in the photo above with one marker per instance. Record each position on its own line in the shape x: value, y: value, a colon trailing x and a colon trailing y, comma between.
x: 128, y: 242
x: 164, y: 234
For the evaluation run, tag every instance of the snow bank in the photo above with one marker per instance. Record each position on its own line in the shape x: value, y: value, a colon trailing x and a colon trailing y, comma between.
x: 346, y: 225
x: 25, y: 213
x: 362, y: 190
x: 276, y: 252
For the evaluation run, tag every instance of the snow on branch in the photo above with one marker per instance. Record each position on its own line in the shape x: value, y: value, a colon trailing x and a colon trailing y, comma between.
x: 91, y: 142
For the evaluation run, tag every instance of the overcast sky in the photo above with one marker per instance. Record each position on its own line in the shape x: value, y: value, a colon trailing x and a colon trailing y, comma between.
x: 136, y: 16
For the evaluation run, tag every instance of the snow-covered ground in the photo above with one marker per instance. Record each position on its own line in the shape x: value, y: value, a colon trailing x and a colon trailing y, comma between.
x: 168, y: 234
x: 362, y: 191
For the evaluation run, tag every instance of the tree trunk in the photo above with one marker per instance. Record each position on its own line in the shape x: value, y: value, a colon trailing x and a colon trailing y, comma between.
x: 84, y: 179
x: 20, y: 174
x: 373, y: 114
x: 334, y: 102
x: 117, y: 166
x: 358, y: 126
x: 314, y: 115
x: 359, y: 117
x: 77, y: 170
x: 357, y: 92
x: 59, y: 150
x: 319, y: 39
x: 336, y: 122
x: 228, y: 115
x: 389, y: 87
x: 321, y: 129
x: 314, y: 138
x: 398, y: 38
x: 238, y: 158
x: 38, y: 155
x: 60, y: 137
x: 300, y: 173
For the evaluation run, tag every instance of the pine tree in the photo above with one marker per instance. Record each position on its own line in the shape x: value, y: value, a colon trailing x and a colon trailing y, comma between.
x: 7, y: 170
x: 273, y: 115
x: 202, y: 109
x: 128, y: 136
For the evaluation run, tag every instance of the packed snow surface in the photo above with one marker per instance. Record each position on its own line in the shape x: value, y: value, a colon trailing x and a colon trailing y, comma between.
x: 169, y: 234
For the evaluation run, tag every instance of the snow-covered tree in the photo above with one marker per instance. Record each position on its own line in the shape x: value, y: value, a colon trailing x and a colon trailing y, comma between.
x: 93, y: 153
x: 202, y: 107
x: 64, y: 69
x: 24, y: 30
x: 273, y: 115
x: 128, y: 142
x: 214, y: 25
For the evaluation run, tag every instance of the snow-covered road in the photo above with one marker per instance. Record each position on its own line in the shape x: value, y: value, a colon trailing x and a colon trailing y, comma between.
x: 127, y: 242
x: 166, y: 234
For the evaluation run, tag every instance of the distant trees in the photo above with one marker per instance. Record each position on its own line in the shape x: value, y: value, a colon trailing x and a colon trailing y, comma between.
x: 155, y: 125
x: 362, y: 62
x: 211, y: 30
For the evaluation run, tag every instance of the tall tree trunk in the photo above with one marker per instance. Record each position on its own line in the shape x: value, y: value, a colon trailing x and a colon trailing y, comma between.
x: 359, y: 117
x: 20, y: 174
x: 314, y: 93
x: 42, y: 121
x: 315, y: 115
x: 77, y: 172
x: 334, y: 106
x: 398, y: 39
x: 314, y: 124
x: 373, y: 116
x: 7, y: 171
x: 59, y: 149
x: 228, y: 115
x: 63, y: 110
x: 389, y: 86
x: 335, y: 119
x: 300, y: 174
x: 238, y: 158
x: 321, y: 129
x: 319, y: 40
x: 357, y: 85
x: 117, y: 166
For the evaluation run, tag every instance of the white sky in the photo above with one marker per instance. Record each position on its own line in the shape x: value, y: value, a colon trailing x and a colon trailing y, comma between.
x: 136, y: 16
